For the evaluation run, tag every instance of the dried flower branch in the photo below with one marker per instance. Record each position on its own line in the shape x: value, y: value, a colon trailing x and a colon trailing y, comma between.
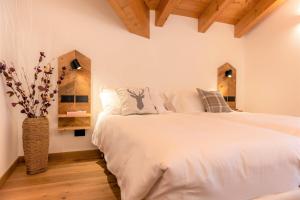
x: 36, y: 97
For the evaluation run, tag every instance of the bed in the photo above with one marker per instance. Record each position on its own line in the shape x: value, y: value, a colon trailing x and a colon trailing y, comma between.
x: 179, y: 156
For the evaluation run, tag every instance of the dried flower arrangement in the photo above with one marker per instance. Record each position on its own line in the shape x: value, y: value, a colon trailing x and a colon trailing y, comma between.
x: 38, y: 96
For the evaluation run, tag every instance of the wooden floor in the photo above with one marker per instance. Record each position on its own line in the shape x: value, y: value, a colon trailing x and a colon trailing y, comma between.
x: 73, y: 180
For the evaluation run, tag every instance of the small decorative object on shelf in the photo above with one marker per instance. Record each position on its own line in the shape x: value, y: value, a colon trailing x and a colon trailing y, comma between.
x: 34, y: 99
x: 76, y: 114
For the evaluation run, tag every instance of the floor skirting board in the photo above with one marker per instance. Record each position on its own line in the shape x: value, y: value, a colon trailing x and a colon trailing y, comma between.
x: 53, y: 157
x: 7, y: 174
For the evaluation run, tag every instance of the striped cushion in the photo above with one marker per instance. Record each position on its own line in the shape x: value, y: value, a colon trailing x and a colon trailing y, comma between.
x: 213, y: 101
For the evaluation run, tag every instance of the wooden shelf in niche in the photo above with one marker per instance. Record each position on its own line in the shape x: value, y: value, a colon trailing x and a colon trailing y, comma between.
x: 66, y: 116
x: 71, y: 128
x: 74, y: 93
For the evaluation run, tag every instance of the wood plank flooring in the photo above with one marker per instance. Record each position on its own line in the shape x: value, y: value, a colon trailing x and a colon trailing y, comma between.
x: 65, y: 180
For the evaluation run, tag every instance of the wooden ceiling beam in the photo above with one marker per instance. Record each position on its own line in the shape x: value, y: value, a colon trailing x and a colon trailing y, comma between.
x: 211, y: 13
x: 255, y: 15
x: 163, y: 10
x: 134, y: 14
x: 152, y: 4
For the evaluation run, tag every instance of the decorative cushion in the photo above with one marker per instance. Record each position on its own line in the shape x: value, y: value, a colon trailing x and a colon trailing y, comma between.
x: 158, y: 99
x: 213, y: 101
x: 110, y: 101
x: 136, y: 101
x: 185, y: 101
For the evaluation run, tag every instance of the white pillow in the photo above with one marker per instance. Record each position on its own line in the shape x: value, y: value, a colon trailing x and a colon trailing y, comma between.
x: 158, y: 99
x: 136, y: 101
x: 185, y: 101
x: 110, y: 101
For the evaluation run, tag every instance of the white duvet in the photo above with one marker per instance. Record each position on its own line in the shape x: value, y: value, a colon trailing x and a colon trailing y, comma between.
x: 282, y: 123
x: 195, y: 157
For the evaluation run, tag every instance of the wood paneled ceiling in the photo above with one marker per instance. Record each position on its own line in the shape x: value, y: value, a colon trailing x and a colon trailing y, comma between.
x: 243, y: 14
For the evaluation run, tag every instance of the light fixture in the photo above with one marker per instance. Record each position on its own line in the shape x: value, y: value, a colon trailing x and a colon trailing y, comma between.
x: 75, y: 64
x: 228, y: 73
x: 298, y: 10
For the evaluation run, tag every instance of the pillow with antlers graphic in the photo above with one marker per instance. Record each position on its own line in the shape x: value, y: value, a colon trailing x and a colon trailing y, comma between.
x: 136, y: 101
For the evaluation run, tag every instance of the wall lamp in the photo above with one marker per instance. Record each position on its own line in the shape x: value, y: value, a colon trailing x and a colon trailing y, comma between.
x: 228, y: 73
x: 75, y: 64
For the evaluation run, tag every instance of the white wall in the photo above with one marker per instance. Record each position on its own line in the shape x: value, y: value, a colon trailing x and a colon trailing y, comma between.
x: 272, y: 53
x: 8, y: 135
x: 175, y: 56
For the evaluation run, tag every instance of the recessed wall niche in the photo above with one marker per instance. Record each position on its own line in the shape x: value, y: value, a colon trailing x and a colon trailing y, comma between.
x: 227, y: 84
x: 74, y: 103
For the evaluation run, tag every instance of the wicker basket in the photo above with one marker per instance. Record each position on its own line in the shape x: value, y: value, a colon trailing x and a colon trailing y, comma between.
x: 36, y: 144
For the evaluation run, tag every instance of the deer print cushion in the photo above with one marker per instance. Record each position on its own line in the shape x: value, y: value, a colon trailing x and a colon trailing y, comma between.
x: 136, y: 101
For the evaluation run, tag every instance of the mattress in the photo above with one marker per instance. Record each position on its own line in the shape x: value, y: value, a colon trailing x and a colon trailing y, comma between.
x: 192, y: 157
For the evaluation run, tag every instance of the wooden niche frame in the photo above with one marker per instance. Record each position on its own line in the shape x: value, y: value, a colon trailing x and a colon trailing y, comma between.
x: 74, y: 93
x: 227, y: 85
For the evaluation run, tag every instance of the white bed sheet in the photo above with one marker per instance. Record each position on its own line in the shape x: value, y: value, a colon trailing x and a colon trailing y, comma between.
x: 193, y: 157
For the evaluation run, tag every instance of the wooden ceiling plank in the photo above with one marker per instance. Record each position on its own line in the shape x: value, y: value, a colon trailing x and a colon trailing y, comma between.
x: 163, y: 11
x: 152, y: 4
x: 186, y: 13
x: 211, y: 13
x: 262, y: 9
x: 134, y: 14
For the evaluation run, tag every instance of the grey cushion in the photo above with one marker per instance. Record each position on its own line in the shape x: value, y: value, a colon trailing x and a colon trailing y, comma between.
x: 213, y: 101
